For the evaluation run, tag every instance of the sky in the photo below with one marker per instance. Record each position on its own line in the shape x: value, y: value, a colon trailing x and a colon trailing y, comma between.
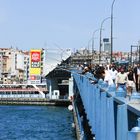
x: 27, y: 24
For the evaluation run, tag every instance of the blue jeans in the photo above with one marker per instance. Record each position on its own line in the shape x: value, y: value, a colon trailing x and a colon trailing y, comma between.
x: 123, y: 86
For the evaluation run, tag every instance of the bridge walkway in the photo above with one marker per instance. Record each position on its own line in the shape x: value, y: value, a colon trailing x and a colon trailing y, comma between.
x: 110, y: 114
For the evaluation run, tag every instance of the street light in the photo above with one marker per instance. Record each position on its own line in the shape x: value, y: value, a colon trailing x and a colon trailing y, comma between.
x: 89, y: 49
x: 93, y: 41
x: 101, y: 38
x: 112, y: 6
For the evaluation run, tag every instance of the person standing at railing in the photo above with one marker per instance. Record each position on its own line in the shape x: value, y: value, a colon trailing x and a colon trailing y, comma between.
x: 99, y: 72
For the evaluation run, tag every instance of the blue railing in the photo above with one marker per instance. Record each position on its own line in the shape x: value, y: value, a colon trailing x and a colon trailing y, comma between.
x: 111, y: 115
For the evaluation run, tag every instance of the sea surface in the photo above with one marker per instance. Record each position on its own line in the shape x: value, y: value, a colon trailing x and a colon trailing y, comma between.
x: 35, y: 123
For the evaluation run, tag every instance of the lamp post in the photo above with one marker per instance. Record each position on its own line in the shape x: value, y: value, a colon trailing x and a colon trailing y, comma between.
x: 101, y: 38
x: 93, y: 41
x: 89, y: 50
x: 112, y: 6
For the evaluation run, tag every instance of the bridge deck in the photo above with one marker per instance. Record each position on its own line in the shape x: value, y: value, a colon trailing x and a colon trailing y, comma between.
x: 111, y: 114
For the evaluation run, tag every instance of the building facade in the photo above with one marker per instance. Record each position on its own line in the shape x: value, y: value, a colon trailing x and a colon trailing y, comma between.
x: 14, y: 66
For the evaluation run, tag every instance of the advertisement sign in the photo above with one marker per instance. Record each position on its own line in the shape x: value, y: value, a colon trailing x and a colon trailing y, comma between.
x: 35, y: 60
x: 32, y: 77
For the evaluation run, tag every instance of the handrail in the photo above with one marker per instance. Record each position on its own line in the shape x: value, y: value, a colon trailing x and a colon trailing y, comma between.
x: 107, y: 109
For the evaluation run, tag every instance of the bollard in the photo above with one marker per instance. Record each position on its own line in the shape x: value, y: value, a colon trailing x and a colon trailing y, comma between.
x: 112, y: 89
x: 138, y: 122
x: 104, y: 85
x: 135, y: 95
x: 120, y: 92
x: 100, y: 81
x: 90, y: 76
x: 134, y: 134
x: 122, y: 122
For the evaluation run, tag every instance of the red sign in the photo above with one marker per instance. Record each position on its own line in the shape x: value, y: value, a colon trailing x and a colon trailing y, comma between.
x: 35, y: 56
x: 32, y: 77
x: 35, y: 59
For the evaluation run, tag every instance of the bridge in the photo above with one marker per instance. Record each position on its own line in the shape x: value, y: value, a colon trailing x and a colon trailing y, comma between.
x: 104, y: 113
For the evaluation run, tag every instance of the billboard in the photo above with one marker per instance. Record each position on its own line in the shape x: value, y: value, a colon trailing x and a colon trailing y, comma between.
x: 35, y: 62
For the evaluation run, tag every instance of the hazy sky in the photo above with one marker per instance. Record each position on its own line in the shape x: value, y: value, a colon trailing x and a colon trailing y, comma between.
x: 68, y: 23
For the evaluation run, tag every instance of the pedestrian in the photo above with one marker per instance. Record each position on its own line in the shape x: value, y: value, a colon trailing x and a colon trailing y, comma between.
x: 108, y: 77
x: 137, y: 77
x: 113, y: 73
x: 121, y: 79
x: 130, y: 81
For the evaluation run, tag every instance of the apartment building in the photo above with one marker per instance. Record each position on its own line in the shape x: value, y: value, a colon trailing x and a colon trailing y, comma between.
x: 14, y: 65
x: 5, y: 63
x: 26, y: 66
x: 1, y: 64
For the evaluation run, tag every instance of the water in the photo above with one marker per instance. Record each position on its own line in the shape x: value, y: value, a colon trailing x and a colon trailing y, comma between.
x: 35, y: 123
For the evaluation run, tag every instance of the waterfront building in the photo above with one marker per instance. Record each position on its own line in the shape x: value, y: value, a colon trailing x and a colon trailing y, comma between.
x: 5, y: 65
x: 59, y: 82
x: 53, y: 58
x: 1, y: 67
x: 82, y: 56
x: 26, y: 66
x: 17, y: 68
x: 57, y: 62
x: 14, y: 65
